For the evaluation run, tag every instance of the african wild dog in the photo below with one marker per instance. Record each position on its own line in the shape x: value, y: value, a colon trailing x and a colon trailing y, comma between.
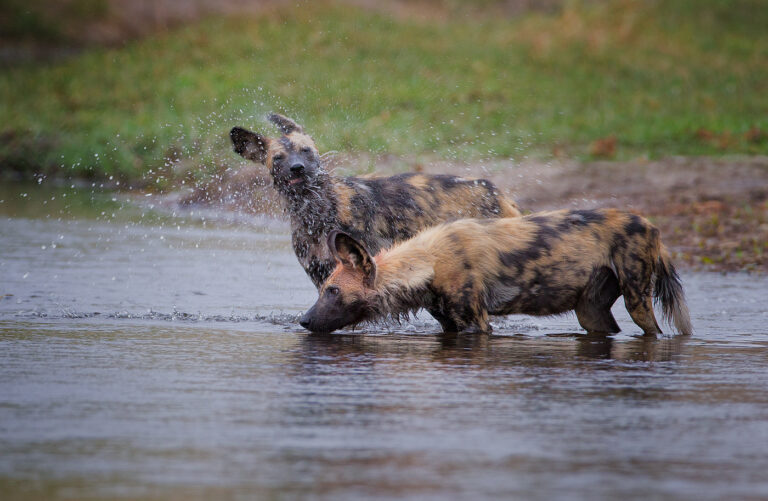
x: 376, y: 211
x: 543, y: 264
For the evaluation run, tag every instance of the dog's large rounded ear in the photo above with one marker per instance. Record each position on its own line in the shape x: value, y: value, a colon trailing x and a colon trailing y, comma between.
x: 349, y: 252
x: 285, y: 124
x: 249, y: 144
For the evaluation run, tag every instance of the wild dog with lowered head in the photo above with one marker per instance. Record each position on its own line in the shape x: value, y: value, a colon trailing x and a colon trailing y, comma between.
x: 544, y: 264
x: 376, y: 211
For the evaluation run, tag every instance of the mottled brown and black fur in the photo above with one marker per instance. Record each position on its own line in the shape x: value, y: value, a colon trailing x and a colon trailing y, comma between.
x: 543, y: 264
x: 377, y: 211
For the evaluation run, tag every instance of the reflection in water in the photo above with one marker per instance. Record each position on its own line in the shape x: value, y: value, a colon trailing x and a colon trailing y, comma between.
x: 649, y: 349
x: 637, y: 349
x: 594, y: 346
x: 485, y: 350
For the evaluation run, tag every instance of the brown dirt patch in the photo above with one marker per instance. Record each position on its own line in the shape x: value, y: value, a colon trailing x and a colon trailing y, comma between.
x: 713, y: 213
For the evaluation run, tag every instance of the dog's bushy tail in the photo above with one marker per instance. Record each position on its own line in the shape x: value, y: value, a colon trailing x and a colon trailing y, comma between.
x: 668, y: 292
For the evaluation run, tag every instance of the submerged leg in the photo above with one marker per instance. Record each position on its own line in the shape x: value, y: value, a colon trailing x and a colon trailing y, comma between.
x: 445, y: 321
x: 461, y: 321
x: 594, y: 307
x: 640, y: 308
x: 595, y: 319
x: 478, y: 325
x: 635, y: 275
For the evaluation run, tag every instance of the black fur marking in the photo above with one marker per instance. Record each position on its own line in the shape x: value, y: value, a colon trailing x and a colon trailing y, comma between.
x: 619, y: 243
x: 539, y: 297
x: 467, y: 293
x: 512, y: 261
x: 603, y: 288
x: 590, y: 216
x: 634, y: 227
x: 449, y: 182
x: 541, y: 245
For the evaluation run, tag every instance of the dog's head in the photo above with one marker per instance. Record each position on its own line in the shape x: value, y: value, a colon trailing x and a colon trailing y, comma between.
x: 347, y: 294
x: 292, y: 159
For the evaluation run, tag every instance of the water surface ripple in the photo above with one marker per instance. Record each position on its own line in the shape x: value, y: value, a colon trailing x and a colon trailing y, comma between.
x: 159, y: 357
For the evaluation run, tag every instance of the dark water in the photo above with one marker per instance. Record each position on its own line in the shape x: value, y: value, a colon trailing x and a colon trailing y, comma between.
x: 152, y: 356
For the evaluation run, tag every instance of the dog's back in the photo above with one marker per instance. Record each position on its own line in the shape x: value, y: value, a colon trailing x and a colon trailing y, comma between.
x: 384, y: 210
x: 536, y: 264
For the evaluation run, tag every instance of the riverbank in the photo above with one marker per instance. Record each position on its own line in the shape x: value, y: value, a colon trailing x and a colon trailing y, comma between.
x: 712, y: 212
x: 613, y: 80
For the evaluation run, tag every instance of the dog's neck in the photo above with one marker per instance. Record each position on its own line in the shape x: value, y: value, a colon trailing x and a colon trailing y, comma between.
x: 403, y: 277
x: 313, y: 210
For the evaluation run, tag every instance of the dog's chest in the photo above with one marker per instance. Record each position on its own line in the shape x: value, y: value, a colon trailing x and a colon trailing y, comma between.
x: 312, y: 251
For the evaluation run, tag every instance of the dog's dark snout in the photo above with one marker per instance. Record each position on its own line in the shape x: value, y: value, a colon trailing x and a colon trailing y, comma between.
x: 304, y: 322
x: 297, y: 168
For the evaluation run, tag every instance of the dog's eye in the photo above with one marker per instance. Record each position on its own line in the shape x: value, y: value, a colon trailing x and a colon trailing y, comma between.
x: 306, y: 149
x: 278, y: 157
x: 332, y: 290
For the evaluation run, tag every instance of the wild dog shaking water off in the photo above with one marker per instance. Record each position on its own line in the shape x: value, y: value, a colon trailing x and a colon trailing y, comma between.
x: 544, y: 264
x: 376, y: 211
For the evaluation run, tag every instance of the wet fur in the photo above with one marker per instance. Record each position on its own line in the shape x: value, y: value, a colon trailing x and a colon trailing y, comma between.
x: 377, y: 211
x: 544, y: 264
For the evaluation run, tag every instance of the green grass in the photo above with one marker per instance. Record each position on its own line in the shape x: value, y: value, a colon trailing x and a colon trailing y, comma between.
x: 684, y: 77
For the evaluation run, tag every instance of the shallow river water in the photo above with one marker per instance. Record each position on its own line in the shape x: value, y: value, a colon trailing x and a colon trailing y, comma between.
x: 147, y: 355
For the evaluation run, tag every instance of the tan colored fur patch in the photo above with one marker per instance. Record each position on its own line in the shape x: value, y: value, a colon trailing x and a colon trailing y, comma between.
x: 420, y: 182
x: 298, y: 141
x: 301, y: 140
x: 344, y: 196
x: 348, y: 279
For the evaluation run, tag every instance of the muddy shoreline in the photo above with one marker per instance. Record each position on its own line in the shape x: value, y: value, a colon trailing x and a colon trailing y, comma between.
x: 713, y: 212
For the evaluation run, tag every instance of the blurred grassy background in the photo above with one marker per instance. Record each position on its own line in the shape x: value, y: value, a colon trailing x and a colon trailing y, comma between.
x: 614, y: 79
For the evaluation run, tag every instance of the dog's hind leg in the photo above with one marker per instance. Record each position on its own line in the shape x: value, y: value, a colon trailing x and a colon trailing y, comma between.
x: 640, y: 308
x: 635, y: 283
x: 593, y: 309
